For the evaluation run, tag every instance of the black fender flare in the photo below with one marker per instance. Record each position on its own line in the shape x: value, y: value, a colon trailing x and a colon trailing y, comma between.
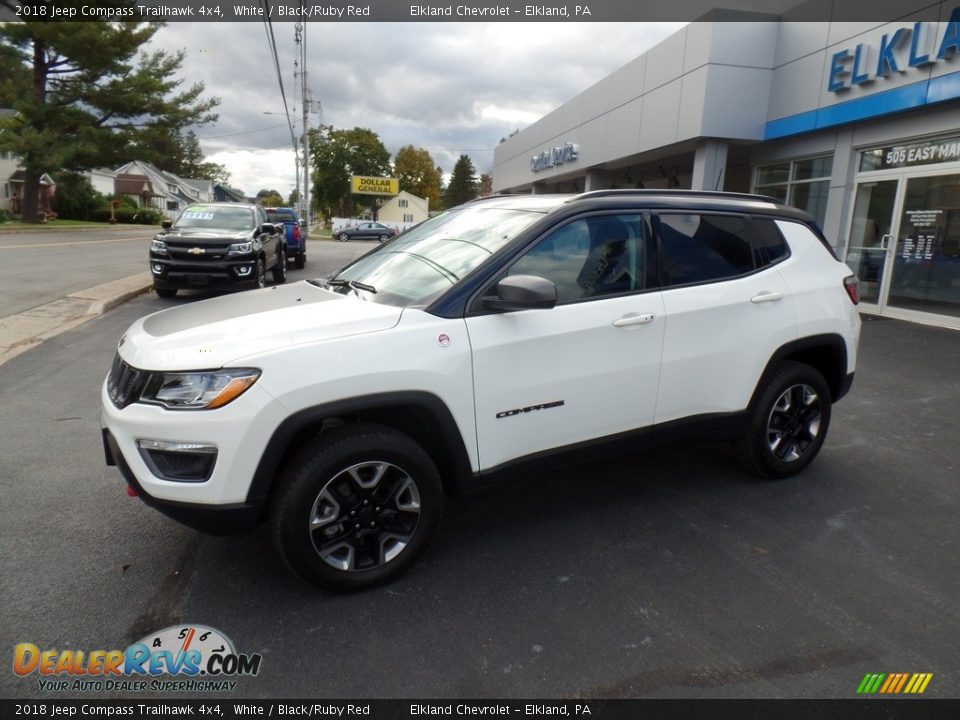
x: 454, y: 467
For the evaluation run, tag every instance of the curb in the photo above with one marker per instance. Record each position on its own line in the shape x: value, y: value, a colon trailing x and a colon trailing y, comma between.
x: 26, y: 330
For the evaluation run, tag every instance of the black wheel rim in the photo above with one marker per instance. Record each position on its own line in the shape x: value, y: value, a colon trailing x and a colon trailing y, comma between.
x: 794, y: 423
x: 364, y: 516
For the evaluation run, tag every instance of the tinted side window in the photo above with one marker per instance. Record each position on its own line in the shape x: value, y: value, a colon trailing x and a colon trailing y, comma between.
x: 590, y: 257
x: 701, y: 248
x: 769, y: 246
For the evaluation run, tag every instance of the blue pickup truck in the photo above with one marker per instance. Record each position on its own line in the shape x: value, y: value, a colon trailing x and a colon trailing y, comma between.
x: 296, y: 238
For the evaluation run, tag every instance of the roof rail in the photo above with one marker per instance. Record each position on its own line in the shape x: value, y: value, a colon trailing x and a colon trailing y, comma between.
x: 678, y: 192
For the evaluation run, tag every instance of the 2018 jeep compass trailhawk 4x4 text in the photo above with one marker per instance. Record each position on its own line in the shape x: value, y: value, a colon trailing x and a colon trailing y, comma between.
x: 501, y: 335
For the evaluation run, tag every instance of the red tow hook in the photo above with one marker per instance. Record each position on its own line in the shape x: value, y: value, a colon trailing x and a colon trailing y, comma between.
x: 132, y: 491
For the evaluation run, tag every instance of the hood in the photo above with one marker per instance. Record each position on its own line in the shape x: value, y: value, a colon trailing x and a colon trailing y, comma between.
x: 212, y: 333
x: 201, y: 234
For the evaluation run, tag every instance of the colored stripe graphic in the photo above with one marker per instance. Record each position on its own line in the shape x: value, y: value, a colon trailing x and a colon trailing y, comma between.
x: 894, y: 683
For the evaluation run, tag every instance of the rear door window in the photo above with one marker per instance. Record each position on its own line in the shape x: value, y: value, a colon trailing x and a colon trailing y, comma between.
x: 700, y: 248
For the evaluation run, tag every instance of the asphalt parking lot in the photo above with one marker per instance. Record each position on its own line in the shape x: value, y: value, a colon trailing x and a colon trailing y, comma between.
x: 671, y: 574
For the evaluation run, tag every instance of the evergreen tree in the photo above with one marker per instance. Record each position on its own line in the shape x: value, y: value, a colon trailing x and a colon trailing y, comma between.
x: 90, y: 97
x: 464, y: 184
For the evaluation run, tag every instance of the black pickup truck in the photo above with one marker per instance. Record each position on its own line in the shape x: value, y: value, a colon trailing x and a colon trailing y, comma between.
x: 217, y: 245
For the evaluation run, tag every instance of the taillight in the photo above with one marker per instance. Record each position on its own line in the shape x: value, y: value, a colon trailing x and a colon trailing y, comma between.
x: 852, y: 286
x: 296, y: 232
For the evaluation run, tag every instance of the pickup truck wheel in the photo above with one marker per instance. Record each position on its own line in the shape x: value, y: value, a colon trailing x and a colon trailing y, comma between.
x: 299, y: 260
x: 165, y: 292
x: 356, y: 507
x: 789, y: 422
x: 280, y: 271
x: 343, y: 237
x: 260, y: 274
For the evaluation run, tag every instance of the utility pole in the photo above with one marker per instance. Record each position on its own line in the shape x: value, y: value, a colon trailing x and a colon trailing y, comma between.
x: 300, y: 34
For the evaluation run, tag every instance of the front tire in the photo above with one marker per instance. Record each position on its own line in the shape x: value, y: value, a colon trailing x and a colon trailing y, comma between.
x: 384, y: 238
x: 788, y: 424
x: 344, y: 237
x: 356, y: 507
x: 165, y: 292
x: 280, y: 271
x: 260, y: 274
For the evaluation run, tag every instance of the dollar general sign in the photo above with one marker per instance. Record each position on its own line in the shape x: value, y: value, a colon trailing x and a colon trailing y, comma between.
x: 361, y: 185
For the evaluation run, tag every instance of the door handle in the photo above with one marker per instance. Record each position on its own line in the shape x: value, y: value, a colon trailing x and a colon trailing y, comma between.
x: 633, y: 319
x: 766, y: 297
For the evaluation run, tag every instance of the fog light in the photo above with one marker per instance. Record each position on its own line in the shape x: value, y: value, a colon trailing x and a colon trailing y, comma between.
x: 178, y: 461
x: 244, y: 271
x: 157, y: 268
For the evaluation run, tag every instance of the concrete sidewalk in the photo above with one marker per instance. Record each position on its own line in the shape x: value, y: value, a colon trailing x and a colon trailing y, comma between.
x: 20, y: 332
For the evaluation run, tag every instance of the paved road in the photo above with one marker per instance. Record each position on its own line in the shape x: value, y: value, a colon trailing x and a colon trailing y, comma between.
x: 39, y: 267
x: 670, y: 575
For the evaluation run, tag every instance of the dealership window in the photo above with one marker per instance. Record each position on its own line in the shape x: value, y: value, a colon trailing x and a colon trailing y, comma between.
x: 803, y: 184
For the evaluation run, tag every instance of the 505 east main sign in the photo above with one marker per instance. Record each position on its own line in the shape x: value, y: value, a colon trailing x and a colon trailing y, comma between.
x: 906, y: 47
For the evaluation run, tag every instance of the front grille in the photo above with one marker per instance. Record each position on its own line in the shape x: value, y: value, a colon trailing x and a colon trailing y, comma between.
x: 212, y: 252
x: 124, y: 383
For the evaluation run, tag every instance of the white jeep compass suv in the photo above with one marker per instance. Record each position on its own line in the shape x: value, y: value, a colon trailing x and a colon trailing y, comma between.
x: 503, y: 335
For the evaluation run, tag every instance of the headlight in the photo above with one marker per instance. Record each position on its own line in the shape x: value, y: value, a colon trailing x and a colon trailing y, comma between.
x: 159, y: 247
x: 198, y: 390
x: 241, y: 248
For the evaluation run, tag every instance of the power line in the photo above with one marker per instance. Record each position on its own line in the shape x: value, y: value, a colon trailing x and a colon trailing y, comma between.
x: 245, y: 132
x: 272, y: 42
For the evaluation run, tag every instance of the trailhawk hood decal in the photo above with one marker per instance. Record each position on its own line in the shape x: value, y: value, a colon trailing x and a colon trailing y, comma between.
x: 215, y: 332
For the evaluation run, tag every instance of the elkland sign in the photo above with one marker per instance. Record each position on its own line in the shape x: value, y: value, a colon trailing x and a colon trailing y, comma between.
x: 907, y: 47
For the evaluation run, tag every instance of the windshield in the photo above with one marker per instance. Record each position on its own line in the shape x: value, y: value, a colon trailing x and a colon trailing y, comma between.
x: 216, y: 217
x: 430, y: 258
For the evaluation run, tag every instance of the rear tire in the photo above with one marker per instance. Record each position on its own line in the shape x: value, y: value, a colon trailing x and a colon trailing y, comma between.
x: 299, y: 260
x: 280, y: 271
x: 356, y: 507
x: 165, y: 292
x: 788, y: 424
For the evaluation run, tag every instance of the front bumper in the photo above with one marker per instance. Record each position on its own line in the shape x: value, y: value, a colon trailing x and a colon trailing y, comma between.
x: 220, y: 503
x: 179, y: 274
x: 230, y: 519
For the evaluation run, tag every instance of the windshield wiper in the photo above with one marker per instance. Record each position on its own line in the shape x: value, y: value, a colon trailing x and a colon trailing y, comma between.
x: 355, y: 284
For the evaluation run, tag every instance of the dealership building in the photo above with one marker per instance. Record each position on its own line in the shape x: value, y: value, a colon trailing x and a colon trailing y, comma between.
x: 857, y: 123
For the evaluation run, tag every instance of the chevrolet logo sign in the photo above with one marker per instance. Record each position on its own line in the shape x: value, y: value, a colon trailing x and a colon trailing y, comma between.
x: 196, y: 251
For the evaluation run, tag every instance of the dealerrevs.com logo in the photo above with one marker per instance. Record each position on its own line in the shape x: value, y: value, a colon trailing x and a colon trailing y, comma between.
x: 189, y: 658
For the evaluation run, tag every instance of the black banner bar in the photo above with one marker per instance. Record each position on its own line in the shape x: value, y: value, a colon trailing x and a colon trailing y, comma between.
x: 857, y: 709
x: 469, y: 11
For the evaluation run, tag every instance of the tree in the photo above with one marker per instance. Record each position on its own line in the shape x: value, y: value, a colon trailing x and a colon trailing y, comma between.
x: 463, y: 183
x: 270, y: 198
x: 338, y: 154
x: 486, y: 185
x: 90, y: 98
x: 176, y: 152
x: 417, y: 174
x: 294, y: 199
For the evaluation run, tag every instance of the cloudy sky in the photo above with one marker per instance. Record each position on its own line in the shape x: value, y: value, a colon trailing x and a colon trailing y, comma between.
x: 450, y: 88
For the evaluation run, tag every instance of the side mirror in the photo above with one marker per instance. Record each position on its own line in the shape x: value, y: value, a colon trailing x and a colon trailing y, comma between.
x: 166, y: 224
x: 267, y: 228
x: 523, y: 292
